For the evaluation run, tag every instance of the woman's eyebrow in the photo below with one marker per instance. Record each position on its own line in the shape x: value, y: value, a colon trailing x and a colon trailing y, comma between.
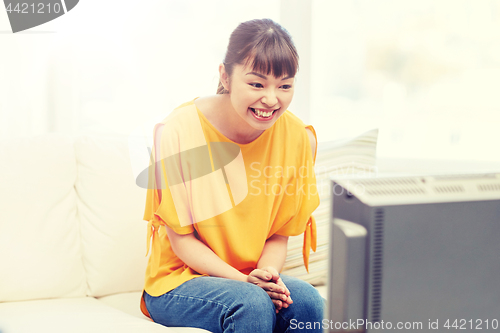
x: 257, y: 74
x: 265, y: 77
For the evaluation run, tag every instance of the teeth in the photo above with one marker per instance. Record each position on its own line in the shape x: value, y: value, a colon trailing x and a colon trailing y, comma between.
x: 263, y: 114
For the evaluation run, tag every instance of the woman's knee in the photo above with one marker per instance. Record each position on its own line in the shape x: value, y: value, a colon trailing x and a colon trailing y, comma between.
x: 254, y: 298
x: 307, y: 302
x: 253, y: 309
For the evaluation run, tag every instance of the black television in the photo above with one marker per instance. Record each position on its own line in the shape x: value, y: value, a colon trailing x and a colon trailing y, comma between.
x: 416, y: 253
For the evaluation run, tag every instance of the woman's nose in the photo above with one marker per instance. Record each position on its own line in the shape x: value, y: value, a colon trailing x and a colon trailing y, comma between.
x: 269, y: 98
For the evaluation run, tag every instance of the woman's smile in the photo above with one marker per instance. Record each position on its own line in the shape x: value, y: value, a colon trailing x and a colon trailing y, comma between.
x: 263, y: 114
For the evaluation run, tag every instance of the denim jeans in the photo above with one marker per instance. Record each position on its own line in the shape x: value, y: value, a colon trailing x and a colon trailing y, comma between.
x: 223, y: 305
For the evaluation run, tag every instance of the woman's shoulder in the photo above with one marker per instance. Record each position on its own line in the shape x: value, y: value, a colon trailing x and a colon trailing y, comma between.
x: 179, y: 114
x: 181, y: 109
x: 206, y: 103
x: 296, y: 130
x: 289, y: 119
x: 182, y: 121
x: 292, y: 124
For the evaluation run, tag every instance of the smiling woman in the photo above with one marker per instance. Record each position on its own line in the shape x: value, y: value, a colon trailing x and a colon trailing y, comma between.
x: 258, y: 101
x: 263, y: 45
x: 215, y: 258
x: 256, y: 77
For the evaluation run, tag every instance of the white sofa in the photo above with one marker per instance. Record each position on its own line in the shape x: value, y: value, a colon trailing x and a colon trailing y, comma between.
x: 72, y: 239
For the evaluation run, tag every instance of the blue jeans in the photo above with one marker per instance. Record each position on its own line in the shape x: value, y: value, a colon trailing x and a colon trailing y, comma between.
x: 223, y: 305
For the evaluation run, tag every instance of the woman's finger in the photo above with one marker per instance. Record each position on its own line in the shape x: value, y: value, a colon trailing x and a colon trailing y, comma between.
x: 270, y: 286
x: 261, y: 274
x: 287, y: 292
x: 277, y: 304
x: 277, y: 296
x: 255, y: 280
x: 267, y: 286
x: 274, y: 273
x: 282, y: 284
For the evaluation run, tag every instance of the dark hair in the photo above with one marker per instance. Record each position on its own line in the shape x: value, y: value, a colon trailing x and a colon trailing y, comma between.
x: 264, y: 45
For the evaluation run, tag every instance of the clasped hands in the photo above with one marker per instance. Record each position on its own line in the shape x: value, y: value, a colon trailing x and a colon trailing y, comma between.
x: 269, y: 279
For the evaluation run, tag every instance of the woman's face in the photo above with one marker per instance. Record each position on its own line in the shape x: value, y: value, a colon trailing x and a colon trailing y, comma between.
x: 259, y: 99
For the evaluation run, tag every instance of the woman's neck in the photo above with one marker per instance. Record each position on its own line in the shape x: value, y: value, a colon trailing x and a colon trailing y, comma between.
x: 221, y: 114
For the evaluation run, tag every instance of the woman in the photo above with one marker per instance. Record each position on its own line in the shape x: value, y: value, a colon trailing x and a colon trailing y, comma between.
x: 233, y: 179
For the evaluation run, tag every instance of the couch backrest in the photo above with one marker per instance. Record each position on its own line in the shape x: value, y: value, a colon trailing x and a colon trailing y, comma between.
x: 111, y: 207
x: 70, y: 218
x: 40, y: 242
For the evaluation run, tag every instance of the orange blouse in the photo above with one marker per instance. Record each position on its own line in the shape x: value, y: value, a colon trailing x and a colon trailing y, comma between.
x: 232, y: 196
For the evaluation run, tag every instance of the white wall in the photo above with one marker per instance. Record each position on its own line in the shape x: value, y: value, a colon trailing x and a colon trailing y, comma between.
x: 109, y: 65
x: 425, y: 72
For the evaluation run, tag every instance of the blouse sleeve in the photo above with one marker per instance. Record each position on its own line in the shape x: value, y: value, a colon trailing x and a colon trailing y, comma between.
x: 160, y: 209
x: 303, y: 221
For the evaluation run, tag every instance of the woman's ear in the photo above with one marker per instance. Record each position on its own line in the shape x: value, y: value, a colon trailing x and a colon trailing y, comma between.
x: 224, y: 77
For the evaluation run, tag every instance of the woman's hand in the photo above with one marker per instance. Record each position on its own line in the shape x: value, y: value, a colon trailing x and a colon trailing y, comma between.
x: 268, y: 279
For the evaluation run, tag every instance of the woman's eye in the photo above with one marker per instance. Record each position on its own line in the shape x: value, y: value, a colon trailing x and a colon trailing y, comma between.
x: 286, y: 86
x: 256, y: 85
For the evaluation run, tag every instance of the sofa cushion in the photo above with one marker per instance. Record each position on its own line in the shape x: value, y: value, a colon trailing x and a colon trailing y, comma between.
x: 75, y: 315
x: 111, y: 208
x: 40, y: 252
x: 353, y: 157
x: 127, y: 302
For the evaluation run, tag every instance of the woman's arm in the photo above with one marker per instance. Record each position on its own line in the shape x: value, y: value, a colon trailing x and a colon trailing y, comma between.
x: 201, y: 258
x: 271, y: 260
x: 274, y: 252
